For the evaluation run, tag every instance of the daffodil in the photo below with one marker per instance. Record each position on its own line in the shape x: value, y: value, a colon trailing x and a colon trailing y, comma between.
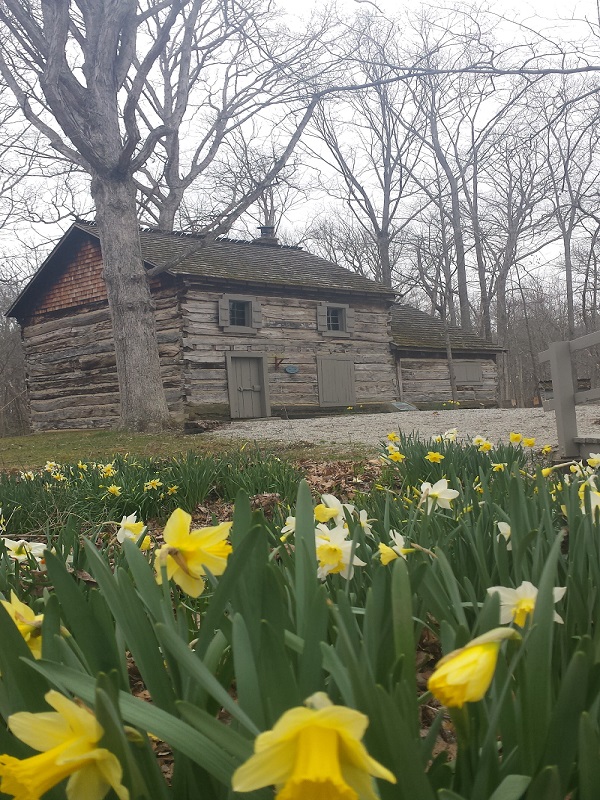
x: 434, y: 457
x: 464, y: 675
x: 528, y: 441
x: 51, y: 466
x: 152, y: 484
x: 499, y: 466
x: 485, y: 447
x: 397, y: 456
x: 393, y: 437
x: 547, y: 449
x: 450, y: 435
x: 130, y: 529
x: 313, y: 754
x: 173, y: 489
x: 67, y: 740
x: 505, y: 532
x: 188, y: 554
x: 29, y: 624
x: 515, y: 438
x: 24, y: 551
x: 594, y: 460
x: 478, y: 440
x: 438, y: 495
x: 517, y: 605
x: 107, y: 470
x: 114, y: 490
x: 364, y: 522
x: 396, y: 549
x: 332, y: 504
x: 288, y: 528
x: 334, y: 553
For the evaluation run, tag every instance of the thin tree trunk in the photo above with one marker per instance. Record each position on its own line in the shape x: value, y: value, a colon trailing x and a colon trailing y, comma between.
x: 143, y: 403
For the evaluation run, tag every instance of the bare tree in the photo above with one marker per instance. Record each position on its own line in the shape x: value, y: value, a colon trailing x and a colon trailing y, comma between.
x: 81, y: 72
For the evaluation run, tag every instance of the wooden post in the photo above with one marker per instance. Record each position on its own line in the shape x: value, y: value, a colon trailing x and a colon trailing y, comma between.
x: 563, y: 393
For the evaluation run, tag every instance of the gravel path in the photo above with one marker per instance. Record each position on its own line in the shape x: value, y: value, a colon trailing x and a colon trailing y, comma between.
x: 369, y: 429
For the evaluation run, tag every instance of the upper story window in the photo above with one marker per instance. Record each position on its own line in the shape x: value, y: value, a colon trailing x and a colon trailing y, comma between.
x: 240, y: 314
x: 335, y: 319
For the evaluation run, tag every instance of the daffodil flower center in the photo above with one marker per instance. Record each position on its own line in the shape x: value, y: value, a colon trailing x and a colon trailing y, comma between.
x: 330, y: 554
x: 522, y: 609
x: 316, y: 773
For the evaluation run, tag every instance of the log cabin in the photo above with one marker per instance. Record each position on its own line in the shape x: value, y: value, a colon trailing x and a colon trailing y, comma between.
x: 245, y: 329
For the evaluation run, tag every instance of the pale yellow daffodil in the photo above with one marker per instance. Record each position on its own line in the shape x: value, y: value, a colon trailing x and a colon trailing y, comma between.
x: 334, y: 553
x: 464, y: 675
x: 395, y: 549
x: 132, y: 530
x: 438, y: 495
x: 313, y: 754
x: 188, y: 554
x: 594, y: 460
x: 517, y: 605
x: 67, y: 740
x: 23, y: 551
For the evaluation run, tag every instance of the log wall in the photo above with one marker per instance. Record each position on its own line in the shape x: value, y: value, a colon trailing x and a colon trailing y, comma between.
x: 288, y: 336
x: 427, y: 380
x: 71, y: 370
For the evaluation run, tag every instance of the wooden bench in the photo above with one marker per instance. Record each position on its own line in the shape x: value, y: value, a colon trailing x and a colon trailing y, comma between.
x: 565, y: 398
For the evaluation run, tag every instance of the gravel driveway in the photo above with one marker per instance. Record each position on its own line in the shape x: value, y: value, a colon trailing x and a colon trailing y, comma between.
x: 369, y: 429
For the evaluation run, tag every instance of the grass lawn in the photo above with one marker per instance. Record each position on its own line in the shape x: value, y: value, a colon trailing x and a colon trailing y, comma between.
x: 32, y: 451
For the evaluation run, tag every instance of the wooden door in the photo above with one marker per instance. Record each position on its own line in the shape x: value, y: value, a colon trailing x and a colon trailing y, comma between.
x: 336, y: 380
x: 247, y: 380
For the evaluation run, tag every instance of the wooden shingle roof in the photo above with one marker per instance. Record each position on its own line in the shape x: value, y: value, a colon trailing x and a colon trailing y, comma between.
x: 415, y: 330
x: 252, y: 262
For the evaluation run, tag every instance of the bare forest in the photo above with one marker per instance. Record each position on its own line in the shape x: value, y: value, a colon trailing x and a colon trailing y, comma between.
x: 453, y: 156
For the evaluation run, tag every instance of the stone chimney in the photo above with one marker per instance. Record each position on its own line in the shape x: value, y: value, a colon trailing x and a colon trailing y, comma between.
x: 267, y: 236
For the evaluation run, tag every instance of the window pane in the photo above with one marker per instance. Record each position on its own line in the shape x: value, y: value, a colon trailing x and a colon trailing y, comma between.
x: 335, y: 319
x: 239, y: 313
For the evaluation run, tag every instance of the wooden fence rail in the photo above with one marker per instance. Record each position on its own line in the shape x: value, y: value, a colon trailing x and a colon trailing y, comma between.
x: 565, y: 398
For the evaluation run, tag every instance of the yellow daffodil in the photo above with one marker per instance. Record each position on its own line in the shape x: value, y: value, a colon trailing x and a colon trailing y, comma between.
x: 594, y: 460
x: 547, y: 471
x: 324, y: 514
x: 393, y: 437
x: 188, y: 554
x: 478, y: 440
x: 313, y: 754
x: 173, y: 489
x: 505, y: 532
x: 438, y: 495
x: 107, y: 470
x: 395, y: 549
x: 397, y: 457
x: 464, y: 676
x: 515, y: 438
x: 434, y: 457
x: 499, y: 466
x: 67, y: 740
x: 155, y: 483
x: 29, y: 623
x: 114, y: 490
x: 437, y: 438
x: 547, y: 449
x: 517, y: 605
x: 528, y: 441
x: 51, y: 466
x: 485, y: 447
x: 334, y: 553
x: 130, y: 529
x: 83, y: 467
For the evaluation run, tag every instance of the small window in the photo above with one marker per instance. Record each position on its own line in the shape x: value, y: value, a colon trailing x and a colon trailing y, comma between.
x: 335, y: 320
x: 239, y: 313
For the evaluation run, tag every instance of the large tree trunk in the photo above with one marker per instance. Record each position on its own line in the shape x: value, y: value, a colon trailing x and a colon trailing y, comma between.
x: 143, y: 403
